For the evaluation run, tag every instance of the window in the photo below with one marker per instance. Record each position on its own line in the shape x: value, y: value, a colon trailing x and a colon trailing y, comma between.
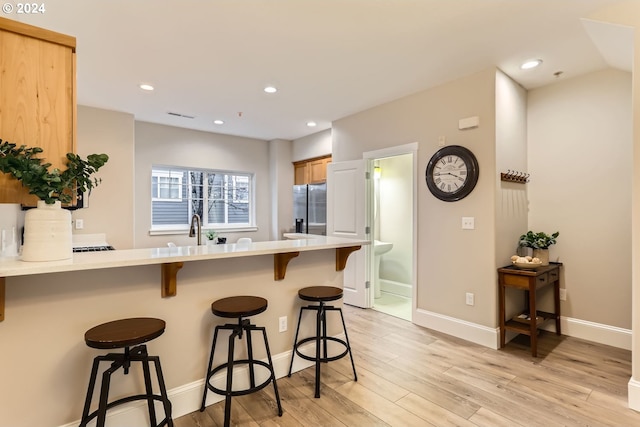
x: 166, y: 185
x: 224, y: 200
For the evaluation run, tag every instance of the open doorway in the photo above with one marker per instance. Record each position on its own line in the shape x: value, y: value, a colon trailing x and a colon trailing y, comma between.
x: 392, y: 219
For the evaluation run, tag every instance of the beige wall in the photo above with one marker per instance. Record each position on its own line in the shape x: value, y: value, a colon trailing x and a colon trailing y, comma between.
x: 511, y: 154
x: 451, y: 261
x: 111, y: 203
x: 166, y: 145
x: 281, y: 188
x: 628, y: 14
x: 310, y: 146
x: 580, y: 160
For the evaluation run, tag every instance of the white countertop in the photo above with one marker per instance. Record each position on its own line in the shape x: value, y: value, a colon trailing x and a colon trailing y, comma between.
x: 131, y: 257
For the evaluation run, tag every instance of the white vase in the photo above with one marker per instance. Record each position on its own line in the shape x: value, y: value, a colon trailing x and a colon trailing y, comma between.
x: 47, y: 233
x: 542, y: 254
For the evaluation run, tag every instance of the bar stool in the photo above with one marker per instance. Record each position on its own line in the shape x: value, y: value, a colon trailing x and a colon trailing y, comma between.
x: 126, y: 333
x: 239, y: 307
x: 321, y: 295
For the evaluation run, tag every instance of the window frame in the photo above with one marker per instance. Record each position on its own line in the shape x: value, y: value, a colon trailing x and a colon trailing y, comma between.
x: 165, y: 174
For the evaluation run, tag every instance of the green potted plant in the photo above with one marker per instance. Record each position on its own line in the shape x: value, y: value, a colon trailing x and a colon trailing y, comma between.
x: 50, y: 186
x: 540, y: 243
x: 47, y: 234
x: 211, y: 236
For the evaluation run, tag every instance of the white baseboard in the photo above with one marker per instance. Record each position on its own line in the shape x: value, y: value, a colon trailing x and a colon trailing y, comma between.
x: 398, y: 288
x: 634, y: 394
x: 188, y: 397
x: 595, y: 332
x: 468, y: 331
x: 490, y: 337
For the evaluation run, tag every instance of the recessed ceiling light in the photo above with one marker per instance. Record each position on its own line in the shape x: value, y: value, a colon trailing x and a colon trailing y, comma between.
x: 218, y: 122
x: 531, y: 64
x: 312, y: 124
x: 270, y: 89
x: 145, y: 86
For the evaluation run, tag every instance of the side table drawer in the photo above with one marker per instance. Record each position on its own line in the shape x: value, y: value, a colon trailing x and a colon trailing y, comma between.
x: 554, y: 275
x: 516, y: 281
x: 542, y: 280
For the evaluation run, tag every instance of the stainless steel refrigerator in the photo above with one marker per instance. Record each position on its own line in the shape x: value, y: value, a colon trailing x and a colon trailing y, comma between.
x: 310, y: 208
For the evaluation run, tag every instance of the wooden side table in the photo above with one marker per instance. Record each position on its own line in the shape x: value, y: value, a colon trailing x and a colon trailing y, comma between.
x: 529, y: 281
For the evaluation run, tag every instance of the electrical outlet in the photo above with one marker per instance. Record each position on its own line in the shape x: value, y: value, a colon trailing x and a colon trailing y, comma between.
x: 470, y: 298
x: 79, y: 224
x: 468, y: 223
x: 282, y: 324
x: 563, y: 294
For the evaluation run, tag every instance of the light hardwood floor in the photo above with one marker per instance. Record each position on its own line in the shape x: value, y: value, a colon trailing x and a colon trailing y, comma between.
x: 411, y: 376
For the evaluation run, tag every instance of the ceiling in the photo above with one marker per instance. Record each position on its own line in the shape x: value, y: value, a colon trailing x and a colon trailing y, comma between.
x: 328, y: 58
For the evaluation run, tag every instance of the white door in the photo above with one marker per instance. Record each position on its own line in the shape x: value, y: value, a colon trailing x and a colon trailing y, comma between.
x: 347, y: 201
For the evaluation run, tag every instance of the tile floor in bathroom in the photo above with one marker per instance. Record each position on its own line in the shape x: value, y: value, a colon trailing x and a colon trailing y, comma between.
x: 393, y: 305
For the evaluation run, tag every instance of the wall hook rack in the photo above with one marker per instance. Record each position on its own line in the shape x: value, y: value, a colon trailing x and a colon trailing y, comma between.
x: 515, y: 176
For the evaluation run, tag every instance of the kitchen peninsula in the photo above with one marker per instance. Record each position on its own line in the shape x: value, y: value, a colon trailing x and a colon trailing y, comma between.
x: 50, y: 305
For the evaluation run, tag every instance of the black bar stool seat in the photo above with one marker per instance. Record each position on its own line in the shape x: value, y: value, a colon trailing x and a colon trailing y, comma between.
x: 321, y: 295
x: 126, y: 333
x: 239, y: 307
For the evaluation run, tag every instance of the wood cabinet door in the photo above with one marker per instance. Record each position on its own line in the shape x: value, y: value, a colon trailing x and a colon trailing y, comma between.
x: 317, y: 171
x: 300, y: 171
x: 37, y: 102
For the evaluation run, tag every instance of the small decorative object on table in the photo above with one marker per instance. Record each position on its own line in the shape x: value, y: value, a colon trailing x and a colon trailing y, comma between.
x: 211, y: 236
x: 47, y: 234
x: 540, y: 243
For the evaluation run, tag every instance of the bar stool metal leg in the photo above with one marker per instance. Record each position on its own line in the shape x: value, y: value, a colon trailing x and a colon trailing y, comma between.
x: 207, y: 374
x: 295, y: 340
x: 149, y: 390
x: 92, y: 385
x: 318, y: 339
x: 227, y: 401
x: 273, y: 372
x: 346, y: 337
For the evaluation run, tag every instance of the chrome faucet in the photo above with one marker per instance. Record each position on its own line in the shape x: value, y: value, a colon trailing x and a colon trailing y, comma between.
x: 193, y: 230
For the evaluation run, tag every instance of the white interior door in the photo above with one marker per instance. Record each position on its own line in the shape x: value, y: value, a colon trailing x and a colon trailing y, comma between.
x: 347, y: 197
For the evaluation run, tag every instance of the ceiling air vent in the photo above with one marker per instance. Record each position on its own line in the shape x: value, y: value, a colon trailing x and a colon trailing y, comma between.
x: 180, y: 115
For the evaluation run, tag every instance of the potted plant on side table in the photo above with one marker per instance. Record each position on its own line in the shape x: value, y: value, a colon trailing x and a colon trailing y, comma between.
x: 540, y: 243
x: 47, y: 235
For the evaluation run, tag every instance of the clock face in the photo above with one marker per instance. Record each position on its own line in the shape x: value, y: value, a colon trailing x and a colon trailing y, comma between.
x: 449, y: 173
x: 452, y: 173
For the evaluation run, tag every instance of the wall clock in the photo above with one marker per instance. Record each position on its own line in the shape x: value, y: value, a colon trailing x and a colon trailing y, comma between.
x: 452, y: 173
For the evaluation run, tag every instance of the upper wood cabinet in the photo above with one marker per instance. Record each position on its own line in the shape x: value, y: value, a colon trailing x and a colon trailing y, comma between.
x: 312, y: 171
x: 37, y: 97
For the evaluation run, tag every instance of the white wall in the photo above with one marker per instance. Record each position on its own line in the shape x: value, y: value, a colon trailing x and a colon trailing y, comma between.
x: 512, y: 206
x: 166, y: 145
x: 111, y: 209
x: 282, y: 175
x: 580, y: 160
x: 396, y: 213
x: 310, y: 146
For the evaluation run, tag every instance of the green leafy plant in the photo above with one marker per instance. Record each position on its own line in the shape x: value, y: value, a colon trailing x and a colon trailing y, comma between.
x: 538, y: 240
x: 23, y: 164
x: 211, y: 234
